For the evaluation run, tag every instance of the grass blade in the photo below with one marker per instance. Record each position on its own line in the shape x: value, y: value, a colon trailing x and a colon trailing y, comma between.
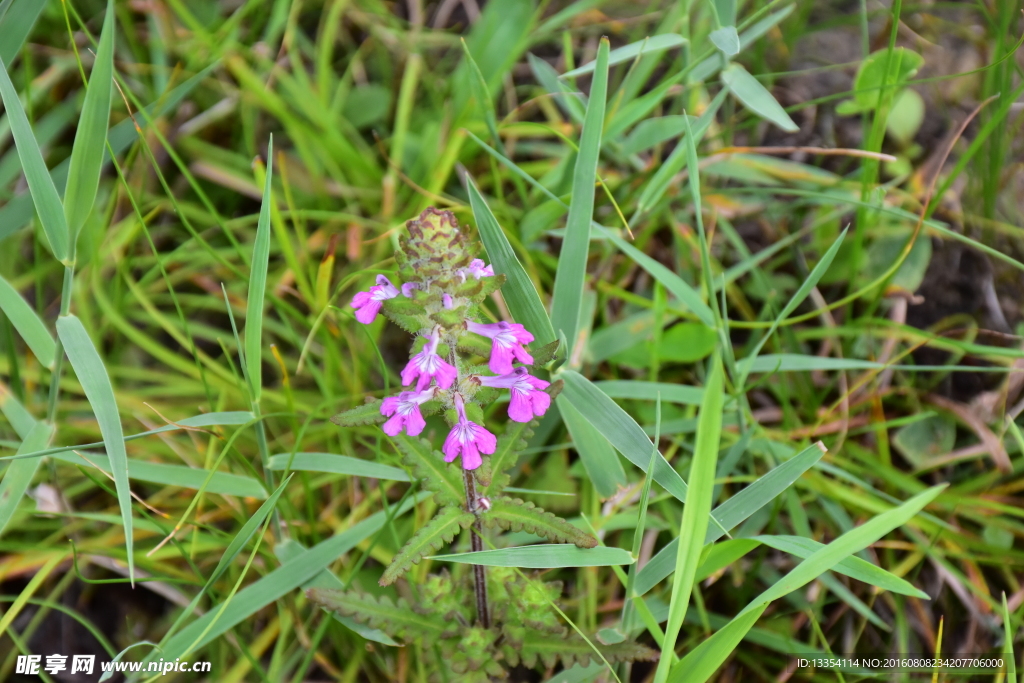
x: 258, y: 285
x: 1011, y: 664
x: 543, y: 556
x: 570, y: 277
x: 696, y: 511
x: 702, y: 662
x: 40, y: 185
x: 626, y: 53
x: 15, y: 25
x: 95, y: 383
x: 620, y: 429
x: 523, y: 301
x: 756, y: 97
x: 599, y: 458
x: 91, y: 136
x: 28, y: 324
x: 19, y: 473
x: 336, y: 464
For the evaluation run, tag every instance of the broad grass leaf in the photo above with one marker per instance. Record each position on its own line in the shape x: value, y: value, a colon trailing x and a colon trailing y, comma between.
x: 258, y: 285
x: 21, y: 420
x: 40, y: 185
x: 18, y: 475
x: 648, y: 391
x: 92, y: 375
x: 756, y: 97
x: 570, y: 276
x: 543, y: 556
x: 599, y: 458
x: 620, y: 429
x: 650, y: 132
x: 520, y: 295
x: 697, y: 510
x: 91, y: 135
x: 15, y: 25
x: 627, y: 53
x: 573, y: 102
x: 727, y: 40
x: 28, y: 324
x: 336, y: 464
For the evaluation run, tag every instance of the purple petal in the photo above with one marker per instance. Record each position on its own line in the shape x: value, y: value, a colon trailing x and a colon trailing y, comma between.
x: 389, y: 405
x: 415, y: 423
x: 360, y: 299
x: 411, y: 371
x: 541, y: 402
x: 501, y: 360
x: 452, y: 445
x: 445, y: 374
x: 368, y: 313
x: 471, y: 458
x: 483, y: 440
x: 393, y: 426
x: 519, y: 407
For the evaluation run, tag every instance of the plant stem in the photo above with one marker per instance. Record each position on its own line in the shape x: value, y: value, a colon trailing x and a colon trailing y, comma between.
x: 483, y: 614
x: 58, y: 363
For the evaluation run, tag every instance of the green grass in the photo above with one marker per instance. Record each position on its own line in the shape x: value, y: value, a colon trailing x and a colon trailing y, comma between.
x: 175, y: 332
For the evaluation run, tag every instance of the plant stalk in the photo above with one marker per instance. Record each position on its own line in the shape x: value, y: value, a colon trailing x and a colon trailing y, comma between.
x: 483, y: 613
x: 58, y: 363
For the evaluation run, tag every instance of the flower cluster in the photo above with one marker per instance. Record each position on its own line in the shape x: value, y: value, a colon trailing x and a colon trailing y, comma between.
x: 442, y: 293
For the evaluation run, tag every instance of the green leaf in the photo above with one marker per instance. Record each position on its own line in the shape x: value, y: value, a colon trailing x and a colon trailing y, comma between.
x: 656, y: 187
x: 336, y: 464
x: 512, y: 440
x: 91, y: 136
x: 871, y: 76
x: 258, y: 285
x: 482, y: 94
x: 98, y: 390
x: 28, y: 324
x: 275, y: 585
x: 222, y: 483
x: 650, y: 132
x: 444, y: 479
x: 44, y: 193
x: 21, y: 420
x: 440, y: 530
x: 397, y: 620
x: 1011, y: 664
x: 620, y: 429
x: 756, y: 97
x: 648, y: 391
x: 721, y: 555
x: 19, y: 473
x: 702, y: 662
x: 15, y: 25
x: 922, y: 441
x: 366, y: 414
x: 795, y: 362
x: 627, y: 53
x: 512, y: 514
x: 523, y: 301
x: 732, y: 513
x: 853, y: 566
x: 679, y: 288
x: 290, y: 549
x: 696, y: 511
x: 570, y: 276
x: 599, y: 458
x: 543, y: 556
x: 572, y: 650
x: 573, y: 102
x: 727, y: 40
x: 906, y: 116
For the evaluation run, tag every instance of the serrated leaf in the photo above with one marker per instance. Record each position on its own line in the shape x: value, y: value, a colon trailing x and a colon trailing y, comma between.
x: 396, y: 619
x: 513, y: 514
x: 366, y: 414
x: 444, y: 479
x: 435, y: 533
x: 573, y: 649
x: 504, y: 457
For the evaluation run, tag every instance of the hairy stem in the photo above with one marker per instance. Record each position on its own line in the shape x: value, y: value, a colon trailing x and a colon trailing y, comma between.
x: 483, y: 613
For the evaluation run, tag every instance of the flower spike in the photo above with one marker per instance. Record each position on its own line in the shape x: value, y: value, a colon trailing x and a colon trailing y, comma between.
x: 427, y: 365
x: 507, y: 341
x: 367, y: 304
x: 467, y: 439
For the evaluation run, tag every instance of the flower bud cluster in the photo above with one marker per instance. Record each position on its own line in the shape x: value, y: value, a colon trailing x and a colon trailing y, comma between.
x: 439, y: 300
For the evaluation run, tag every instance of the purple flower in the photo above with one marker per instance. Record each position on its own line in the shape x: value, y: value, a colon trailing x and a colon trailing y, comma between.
x: 367, y: 304
x: 404, y: 411
x: 529, y: 399
x: 467, y: 439
x: 507, y: 341
x: 408, y: 287
x: 446, y: 301
x: 477, y: 269
x: 427, y: 365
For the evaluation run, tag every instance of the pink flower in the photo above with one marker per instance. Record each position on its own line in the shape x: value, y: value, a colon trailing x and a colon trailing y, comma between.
x: 404, y: 410
x: 408, y: 287
x: 367, y: 304
x: 507, y: 341
x: 529, y: 399
x: 446, y: 301
x: 427, y: 365
x: 477, y: 269
x: 467, y: 439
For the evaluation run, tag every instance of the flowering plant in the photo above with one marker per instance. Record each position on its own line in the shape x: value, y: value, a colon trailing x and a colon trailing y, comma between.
x: 438, y: 295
